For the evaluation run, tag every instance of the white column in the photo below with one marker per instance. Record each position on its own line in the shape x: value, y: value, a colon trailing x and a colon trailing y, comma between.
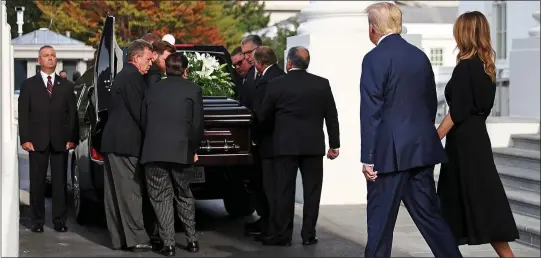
x: 336, y: 34
x: 59, y: 65
x: 535, y: 31
x: 524, y: 99
x: 414, y: 39
x: 8, y: 144
x: 81, y: 66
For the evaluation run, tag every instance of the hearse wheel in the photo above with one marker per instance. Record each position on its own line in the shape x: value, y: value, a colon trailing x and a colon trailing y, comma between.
x: 237, y: 202
x: 80, y: 204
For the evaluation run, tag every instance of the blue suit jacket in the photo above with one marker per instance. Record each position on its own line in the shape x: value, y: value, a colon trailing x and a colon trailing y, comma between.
x: 398, y: 108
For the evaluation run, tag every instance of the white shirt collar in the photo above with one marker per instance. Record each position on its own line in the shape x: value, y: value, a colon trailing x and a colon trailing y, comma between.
x: 264, y: 71
x: 382, y: 37
x: 295, y: 69
x: 44, y: 77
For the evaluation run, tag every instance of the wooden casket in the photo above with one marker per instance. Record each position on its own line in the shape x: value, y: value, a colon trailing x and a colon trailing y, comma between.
x: 227, y: 140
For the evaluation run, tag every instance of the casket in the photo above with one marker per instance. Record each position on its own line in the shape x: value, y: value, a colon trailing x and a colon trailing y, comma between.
x: 227, y: 139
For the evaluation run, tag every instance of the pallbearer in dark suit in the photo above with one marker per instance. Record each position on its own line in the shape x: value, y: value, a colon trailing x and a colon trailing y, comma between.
x: 121, y: 142
x: 247, y: 97
x: 241, y: 68
x: 48, y: 129
x: 161, y: 50
x: 267, y: 69
x: 248, y: 45
x: 294, y: 109
x: 173, y: 119
x: 400, y: 145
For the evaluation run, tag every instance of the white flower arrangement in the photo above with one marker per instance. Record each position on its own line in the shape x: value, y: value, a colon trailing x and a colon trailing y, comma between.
x: 205, y: 71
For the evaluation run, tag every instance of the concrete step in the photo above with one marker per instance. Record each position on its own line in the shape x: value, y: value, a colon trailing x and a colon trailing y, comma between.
x: 524, y: 202
x: 520, y: 178
x: 528, y: 229
x: 527, y: 203
x: 527, y: 159
x: 527, y: 141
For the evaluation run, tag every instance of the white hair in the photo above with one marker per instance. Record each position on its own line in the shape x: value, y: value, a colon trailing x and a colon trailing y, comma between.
x: 385, y: 18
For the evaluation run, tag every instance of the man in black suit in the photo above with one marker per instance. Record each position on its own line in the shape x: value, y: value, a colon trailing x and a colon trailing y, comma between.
x: 241, y: 66
x: 48, y: 129
x: 122, y: 142
x: 267, y: 69
x: 173, y: 122
x: 294, y: 108
x: 247, y: 98
x: 248, y: 45
x: 161, y: 50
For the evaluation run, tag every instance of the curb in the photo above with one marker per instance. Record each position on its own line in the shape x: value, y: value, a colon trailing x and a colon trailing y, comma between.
x: 348, y: 233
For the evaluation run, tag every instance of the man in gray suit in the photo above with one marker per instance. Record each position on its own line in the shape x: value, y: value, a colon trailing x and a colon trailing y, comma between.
x: 121, y: 142
x: 173, y: 122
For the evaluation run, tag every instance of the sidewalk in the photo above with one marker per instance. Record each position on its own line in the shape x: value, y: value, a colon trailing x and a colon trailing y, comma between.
x: 349, y: 222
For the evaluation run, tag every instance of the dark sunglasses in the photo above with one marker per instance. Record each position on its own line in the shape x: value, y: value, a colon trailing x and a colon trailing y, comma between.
x: 239, y: 63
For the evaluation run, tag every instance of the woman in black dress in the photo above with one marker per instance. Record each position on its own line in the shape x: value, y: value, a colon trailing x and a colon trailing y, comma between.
x: 473, y: 199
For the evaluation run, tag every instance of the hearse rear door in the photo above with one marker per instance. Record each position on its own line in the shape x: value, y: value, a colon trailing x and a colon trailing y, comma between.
x: 109, y: 61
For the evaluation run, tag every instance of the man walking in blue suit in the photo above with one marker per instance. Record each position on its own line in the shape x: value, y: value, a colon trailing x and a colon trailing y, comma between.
x: 400, y: 144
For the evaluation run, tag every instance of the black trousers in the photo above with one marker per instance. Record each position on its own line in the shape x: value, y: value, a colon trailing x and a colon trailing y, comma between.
x: 123, y: 201
x: 257, y: 192
x: 168, y: 182
x: 39, y: 162
x: 269, y: 188
x: 285, y: 168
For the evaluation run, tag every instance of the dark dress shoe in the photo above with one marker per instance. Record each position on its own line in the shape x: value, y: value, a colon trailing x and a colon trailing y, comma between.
x: 37, y: 228
x: 157, y: 244
x: 310, y: 241
x: 261, y: 238
x: 168, y: 251
x: 193, y: 247
x: 60, y: 227
x: 253, y: 229
x: 141, y: 247
x: 276, y: 242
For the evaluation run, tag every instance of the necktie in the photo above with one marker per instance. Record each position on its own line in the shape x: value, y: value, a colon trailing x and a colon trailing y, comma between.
x: 49, y: 85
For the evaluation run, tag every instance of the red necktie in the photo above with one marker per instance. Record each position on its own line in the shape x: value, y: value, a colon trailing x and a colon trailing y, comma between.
x: 49, y: 85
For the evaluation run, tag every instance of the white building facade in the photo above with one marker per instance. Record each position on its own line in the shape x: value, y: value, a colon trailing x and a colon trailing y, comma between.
x: 432, y: 20
x: 508, y: 20
x: 515, y: 38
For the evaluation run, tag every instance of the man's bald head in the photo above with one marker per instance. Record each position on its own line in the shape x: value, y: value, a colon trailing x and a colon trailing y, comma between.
x: 298, y: 57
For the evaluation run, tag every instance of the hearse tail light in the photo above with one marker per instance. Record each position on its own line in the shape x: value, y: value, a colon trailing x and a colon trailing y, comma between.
x: 95, y: 155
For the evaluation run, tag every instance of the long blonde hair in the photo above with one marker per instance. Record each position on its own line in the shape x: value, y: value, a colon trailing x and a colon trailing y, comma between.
x: 472, y: 36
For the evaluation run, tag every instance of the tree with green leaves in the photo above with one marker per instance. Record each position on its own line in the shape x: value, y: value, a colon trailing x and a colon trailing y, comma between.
x: 250, y: 16
x: 32, y: 15
x: 278, y: 43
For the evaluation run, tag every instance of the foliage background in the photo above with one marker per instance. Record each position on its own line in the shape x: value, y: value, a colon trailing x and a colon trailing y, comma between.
x: 196, y: 22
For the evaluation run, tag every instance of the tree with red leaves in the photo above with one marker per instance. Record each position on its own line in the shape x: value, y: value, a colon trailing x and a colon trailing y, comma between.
x: 188, y: 21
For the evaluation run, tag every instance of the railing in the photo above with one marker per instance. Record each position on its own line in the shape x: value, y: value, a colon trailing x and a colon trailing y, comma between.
x: 501, y: 101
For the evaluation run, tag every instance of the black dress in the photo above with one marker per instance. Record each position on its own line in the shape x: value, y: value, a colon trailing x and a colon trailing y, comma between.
x: 473, y: 200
